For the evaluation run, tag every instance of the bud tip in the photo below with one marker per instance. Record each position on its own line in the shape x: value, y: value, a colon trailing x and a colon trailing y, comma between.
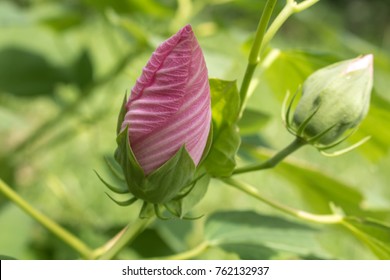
x: 361, y: 63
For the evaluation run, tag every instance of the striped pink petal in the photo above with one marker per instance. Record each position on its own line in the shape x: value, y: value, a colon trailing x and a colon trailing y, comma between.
x: 169, y: 105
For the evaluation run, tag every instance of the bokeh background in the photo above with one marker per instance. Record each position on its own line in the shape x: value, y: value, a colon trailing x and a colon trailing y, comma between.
x: 66, y: 65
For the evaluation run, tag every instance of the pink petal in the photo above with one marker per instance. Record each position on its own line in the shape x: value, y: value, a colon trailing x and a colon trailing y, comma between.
x: 169, y: 105
x: 364, y: 62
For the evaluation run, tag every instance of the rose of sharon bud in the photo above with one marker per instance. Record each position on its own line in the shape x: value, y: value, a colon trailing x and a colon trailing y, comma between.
x: 334, y: 99
x: 165, y: 123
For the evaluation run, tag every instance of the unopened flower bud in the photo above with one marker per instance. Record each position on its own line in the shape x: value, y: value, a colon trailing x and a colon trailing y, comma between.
x: 164, y: 126
x: 334, y: 99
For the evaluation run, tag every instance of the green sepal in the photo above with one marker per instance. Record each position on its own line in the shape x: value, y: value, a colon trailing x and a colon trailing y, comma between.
x: 134, y: 175
x: 163, y: 184
x: 184, y: 202
x: 174, y: 213
x: 174, y: 180
x: 121, y: 115
x: 115, y: 168
x: 158, y: 213
x: 117, y: 190
x: 147, y: 211
x: 125, y: 202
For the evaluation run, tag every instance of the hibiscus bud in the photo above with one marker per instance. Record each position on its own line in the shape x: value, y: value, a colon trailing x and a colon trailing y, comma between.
x: 169, y: 105
x: 164, y: 126
x: 334, y: 99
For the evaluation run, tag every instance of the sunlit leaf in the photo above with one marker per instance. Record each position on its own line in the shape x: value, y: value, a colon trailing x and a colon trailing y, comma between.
x: 242, y: 231
x: 376, y: 126
x: 221, y: 159
x: 375, y: 234
x: 289, y: 69
x: 226, y: 139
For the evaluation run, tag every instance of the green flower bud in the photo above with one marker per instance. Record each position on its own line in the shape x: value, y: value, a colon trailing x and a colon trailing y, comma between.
x: 334, y: 100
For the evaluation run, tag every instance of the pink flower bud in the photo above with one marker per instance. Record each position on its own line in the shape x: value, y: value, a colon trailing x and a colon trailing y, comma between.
x: 169, y: 105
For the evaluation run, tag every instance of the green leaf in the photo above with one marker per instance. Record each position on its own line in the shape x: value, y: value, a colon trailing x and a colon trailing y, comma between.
x: 320, y: 188
x: 375, y: 234
x: 375, y: 125
x: 63, y: 21
x: 175, y: 233
x: 82, y: 70
x: 250, y: 251
x: 252, y: 121
x: 26, y: 73
x: 150, y: 244
x: 4, y: 257
x: 317, y: 188
x: 242, y: 231
x: 225, y: 103
x: 289, y: 69
x: 221, y: 160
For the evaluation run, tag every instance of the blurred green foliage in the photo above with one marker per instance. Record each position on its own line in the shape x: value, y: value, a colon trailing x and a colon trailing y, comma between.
x: 65, y: 66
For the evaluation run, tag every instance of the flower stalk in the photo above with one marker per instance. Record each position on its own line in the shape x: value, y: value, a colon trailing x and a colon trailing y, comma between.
x: 264, y: 36
x: 273, y: 161
x: 334, y: 218
x: 255, y: 54
x: 67, y: 237
x: 288, y: 10
x: 123, y: 238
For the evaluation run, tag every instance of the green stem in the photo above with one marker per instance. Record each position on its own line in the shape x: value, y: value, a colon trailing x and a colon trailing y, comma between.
x: 45, y: 221
x: 263, y: 37
x: 254, y: 55
x: 252, y: 191
x: 190, y: 254
x: 289, y: 9
x: 124, y: 237
x: 273, y: 161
